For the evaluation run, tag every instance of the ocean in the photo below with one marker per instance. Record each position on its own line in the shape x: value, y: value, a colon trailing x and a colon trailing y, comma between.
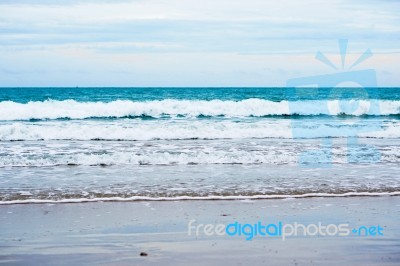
x: 122, y: 144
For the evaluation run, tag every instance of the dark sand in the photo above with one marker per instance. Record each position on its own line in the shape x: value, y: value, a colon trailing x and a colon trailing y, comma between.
x: 115, y: 233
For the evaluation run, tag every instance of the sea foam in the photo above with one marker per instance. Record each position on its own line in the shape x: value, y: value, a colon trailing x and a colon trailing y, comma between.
x: 198, y: 129
x: 72, y: 109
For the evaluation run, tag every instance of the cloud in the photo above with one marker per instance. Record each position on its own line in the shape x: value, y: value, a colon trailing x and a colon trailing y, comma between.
x: 87, y: 33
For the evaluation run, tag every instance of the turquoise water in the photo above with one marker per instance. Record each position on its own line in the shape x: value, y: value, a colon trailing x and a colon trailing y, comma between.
x: 80, y: 144
x: 24, y: 95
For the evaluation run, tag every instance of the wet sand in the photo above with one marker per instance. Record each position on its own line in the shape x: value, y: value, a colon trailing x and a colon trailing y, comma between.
x: 115, y: 233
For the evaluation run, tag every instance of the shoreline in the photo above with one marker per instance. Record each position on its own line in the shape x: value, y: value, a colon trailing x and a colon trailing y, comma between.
x: 205, y: 198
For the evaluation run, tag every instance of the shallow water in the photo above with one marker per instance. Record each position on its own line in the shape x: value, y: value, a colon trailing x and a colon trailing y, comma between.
x: 75, y: 144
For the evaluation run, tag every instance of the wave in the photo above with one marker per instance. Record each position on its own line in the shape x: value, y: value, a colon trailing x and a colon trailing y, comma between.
x: 180, y: 198
x: 169, y: 155
x: 71, y: 109
x: 184, y: 130
x: 161, y: 158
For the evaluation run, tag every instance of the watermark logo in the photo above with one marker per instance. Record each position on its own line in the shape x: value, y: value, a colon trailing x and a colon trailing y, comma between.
x: 281, y: 230
x: 337, y: 103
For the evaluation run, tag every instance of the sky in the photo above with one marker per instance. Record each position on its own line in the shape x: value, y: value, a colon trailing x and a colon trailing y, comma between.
x: 208, y: 43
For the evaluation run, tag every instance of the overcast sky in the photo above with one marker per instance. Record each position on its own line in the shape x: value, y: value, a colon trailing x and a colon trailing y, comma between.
x: 192, y: 42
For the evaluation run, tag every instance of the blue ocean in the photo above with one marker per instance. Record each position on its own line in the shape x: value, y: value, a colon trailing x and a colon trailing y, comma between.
x: 91, y: 144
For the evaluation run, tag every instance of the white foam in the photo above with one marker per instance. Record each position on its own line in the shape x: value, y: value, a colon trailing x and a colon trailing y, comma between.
x: 162, y: 157
x: 250, y: 107
x: 180, y: 198
x: 169, y: 130
x: 149, y: 130
x: 187, y: 154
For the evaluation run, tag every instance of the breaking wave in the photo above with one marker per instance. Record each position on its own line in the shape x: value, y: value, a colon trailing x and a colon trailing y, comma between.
x: 71, y: 109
